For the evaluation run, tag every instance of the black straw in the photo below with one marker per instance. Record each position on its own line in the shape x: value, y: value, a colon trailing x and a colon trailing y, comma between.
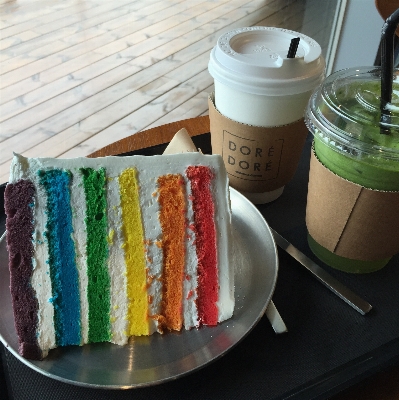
x: 293, y: 47
x: 387, y: 62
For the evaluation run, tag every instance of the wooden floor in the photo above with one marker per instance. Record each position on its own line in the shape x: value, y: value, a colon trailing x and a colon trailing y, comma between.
x: 76, y: 75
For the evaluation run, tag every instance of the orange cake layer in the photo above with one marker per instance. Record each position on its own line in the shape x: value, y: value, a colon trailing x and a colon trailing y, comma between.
x: 172, y: 218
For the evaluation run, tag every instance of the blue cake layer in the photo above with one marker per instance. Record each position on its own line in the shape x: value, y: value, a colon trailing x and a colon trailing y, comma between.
x: 63, y: 272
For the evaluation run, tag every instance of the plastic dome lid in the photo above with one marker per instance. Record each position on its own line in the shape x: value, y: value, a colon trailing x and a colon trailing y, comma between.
x: 254, y: 60
x: 345, y: 111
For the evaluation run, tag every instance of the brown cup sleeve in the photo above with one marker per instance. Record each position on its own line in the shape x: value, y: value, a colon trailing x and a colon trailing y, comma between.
x: 258, y: 159
x: 351, y: 220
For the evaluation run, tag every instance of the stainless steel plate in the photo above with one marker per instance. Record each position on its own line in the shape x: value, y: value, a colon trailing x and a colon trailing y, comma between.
x: 158, y: 358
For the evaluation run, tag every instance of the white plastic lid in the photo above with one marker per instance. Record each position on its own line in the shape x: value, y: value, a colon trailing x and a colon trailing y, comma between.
x: 254, y: 60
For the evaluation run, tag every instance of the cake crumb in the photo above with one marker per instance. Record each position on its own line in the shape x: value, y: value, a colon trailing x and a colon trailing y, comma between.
x: 110, y: 237
x: 161, y: 322
x: 189, y: 294
x: 150, y: 279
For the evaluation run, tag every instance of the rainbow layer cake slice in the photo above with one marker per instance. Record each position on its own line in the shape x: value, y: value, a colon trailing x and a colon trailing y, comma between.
x: 108, y: 248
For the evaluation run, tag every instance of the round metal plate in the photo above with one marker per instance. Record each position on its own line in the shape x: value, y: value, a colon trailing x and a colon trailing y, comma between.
x: 158, y: 358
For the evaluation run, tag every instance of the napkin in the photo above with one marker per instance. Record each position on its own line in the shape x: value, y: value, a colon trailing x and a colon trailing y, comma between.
x: 180, y: 143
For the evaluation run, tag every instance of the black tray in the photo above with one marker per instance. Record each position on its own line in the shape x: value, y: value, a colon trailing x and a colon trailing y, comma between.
x: 329, y: 346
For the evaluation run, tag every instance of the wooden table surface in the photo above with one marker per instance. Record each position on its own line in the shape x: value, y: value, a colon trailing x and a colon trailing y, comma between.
x: 382, y: 386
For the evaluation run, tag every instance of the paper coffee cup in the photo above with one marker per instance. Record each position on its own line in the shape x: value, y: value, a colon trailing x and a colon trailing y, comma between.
x: 257, y: 85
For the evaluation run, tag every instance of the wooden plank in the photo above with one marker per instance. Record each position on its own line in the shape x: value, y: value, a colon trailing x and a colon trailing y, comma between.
x: 193, y: 107
x: 35, y: 37
x: 89, y: 58
x: 58, y: 52
x: 73, y: 27
x: 210, y: 41
x: 156, y: 104
x: 15, y: 125
x: 70, y: 74
x: 36, y: 13
x: 39, y: 24
x: 138, y: 120
x: 141, y: 118
x: 19, y: 105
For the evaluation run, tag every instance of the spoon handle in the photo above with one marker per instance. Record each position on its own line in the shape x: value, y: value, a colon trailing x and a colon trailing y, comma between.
x: 275, y: 319
x: 324, y: 277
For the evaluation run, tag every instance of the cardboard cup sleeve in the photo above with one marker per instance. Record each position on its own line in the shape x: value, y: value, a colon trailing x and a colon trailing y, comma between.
x: 350, y: 220
x: 258, y: 159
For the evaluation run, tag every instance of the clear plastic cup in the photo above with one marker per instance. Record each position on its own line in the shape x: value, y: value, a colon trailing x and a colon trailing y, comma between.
x: 344, y: 116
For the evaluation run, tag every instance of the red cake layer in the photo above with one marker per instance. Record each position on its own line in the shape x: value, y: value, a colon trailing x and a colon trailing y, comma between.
x: 203, y: 207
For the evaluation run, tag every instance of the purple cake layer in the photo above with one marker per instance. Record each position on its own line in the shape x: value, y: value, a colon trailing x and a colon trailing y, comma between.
x: 18, y: 204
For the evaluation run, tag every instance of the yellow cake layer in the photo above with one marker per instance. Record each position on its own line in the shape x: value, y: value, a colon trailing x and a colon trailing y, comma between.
x: 134, y: 253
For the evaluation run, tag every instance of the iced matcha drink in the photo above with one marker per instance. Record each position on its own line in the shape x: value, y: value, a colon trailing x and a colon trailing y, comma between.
x: 344, y: 117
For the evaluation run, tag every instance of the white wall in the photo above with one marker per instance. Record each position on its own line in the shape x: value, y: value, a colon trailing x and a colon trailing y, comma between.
x: 360, y: 35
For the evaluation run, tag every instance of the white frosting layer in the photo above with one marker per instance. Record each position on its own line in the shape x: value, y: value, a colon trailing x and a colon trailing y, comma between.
x: 190, y: 311
x: 78, y: 207
x: 153, y: 234
x: 116, y: 264
x: 41, y: 282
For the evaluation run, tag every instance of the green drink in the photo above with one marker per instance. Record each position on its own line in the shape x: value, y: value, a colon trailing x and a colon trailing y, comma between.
x: 344, y: 117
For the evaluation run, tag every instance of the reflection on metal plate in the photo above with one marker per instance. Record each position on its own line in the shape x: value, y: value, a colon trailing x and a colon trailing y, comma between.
x: 158, y: 358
